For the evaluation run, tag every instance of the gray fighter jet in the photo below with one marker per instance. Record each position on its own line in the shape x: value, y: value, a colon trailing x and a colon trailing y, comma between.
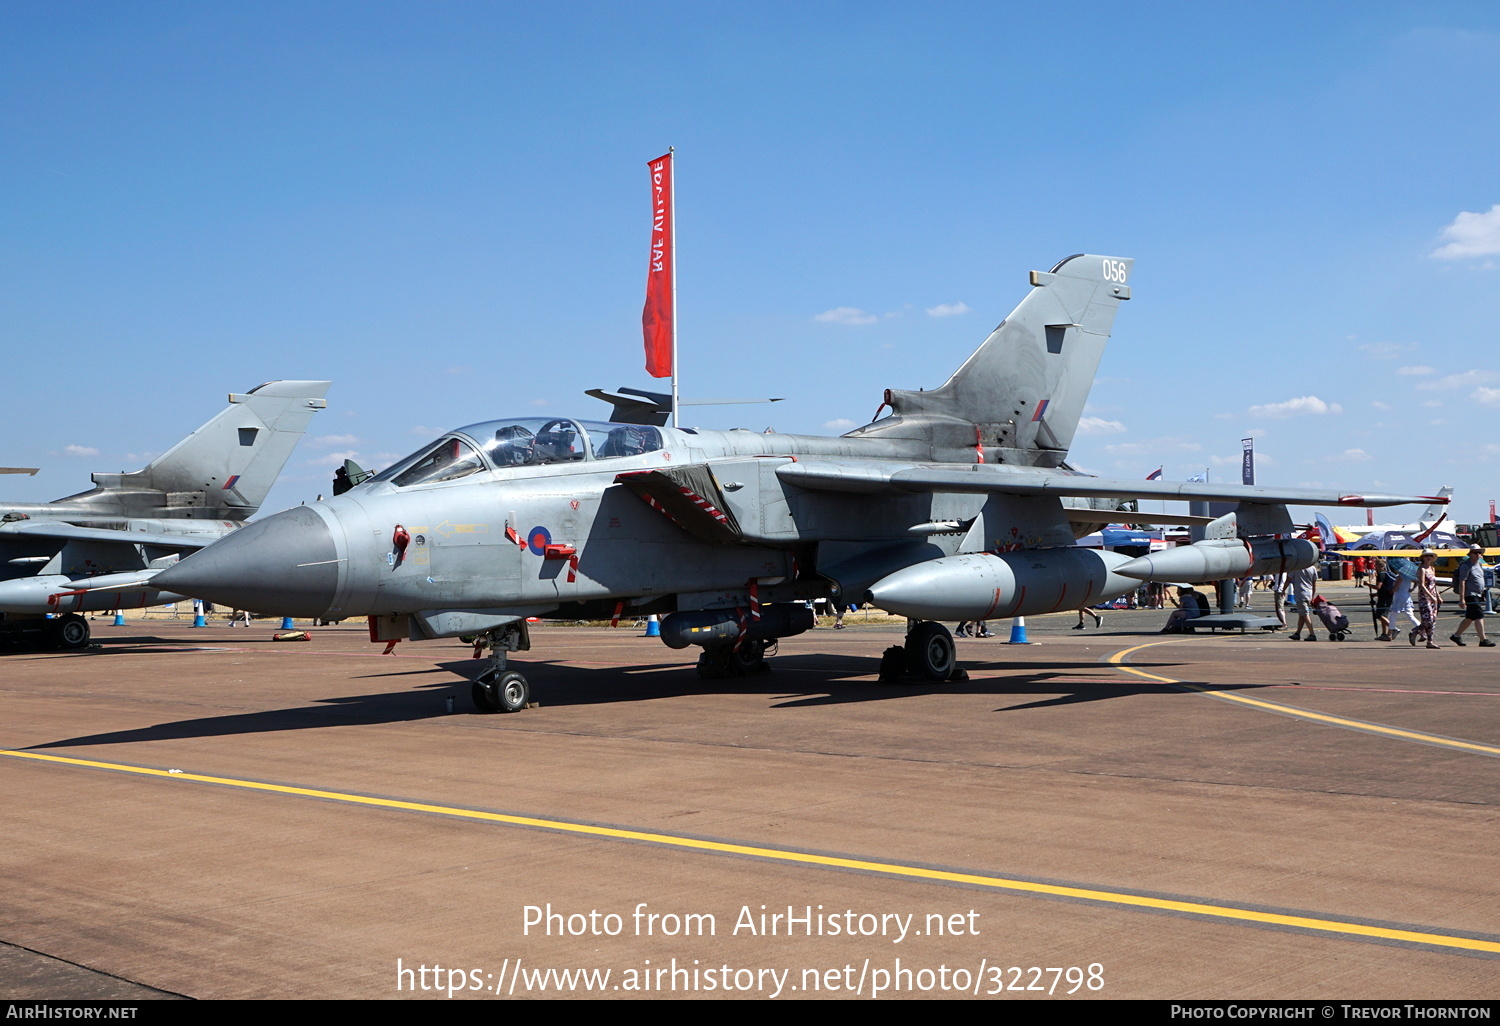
x: 101, y: 549
x: 949, y: 508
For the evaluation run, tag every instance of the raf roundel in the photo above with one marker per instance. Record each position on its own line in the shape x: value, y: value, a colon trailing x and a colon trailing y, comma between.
x: 537, y: 540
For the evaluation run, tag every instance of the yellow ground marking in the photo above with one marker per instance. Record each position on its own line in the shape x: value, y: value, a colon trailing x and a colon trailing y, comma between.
x: 1117, y: 661
x: 784, y: 855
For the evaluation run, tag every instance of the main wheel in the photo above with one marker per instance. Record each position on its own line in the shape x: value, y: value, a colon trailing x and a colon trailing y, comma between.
x: 713, y: 664
x: 70, y: 633
x: 748, y: 659
x: 929, y: 651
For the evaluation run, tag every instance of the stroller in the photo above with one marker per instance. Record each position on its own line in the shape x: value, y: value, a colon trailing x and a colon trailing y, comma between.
x: 1334, y: 621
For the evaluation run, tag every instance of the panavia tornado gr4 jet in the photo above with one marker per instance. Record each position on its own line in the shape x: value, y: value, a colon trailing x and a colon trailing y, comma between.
x: 101, y: 549
x: 952, y: 507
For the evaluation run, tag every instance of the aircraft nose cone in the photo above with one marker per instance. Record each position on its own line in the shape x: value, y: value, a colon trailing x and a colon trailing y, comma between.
x: 284, y: 565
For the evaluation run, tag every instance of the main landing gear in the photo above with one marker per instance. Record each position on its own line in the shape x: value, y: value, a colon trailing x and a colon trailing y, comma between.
x: 724, y: 661
x: 498, y: 689
x: 928, y: 655
x: 67, y: 633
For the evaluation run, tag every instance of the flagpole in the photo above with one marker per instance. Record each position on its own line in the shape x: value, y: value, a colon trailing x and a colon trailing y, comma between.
x: 672, y: 200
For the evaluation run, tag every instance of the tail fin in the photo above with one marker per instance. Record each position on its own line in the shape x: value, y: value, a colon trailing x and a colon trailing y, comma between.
x: 1436, y: 510
x: 225, y: 468
x: 1021, y: 394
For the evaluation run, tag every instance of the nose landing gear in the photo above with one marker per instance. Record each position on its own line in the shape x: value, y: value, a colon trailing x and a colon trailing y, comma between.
x: 498, y: 689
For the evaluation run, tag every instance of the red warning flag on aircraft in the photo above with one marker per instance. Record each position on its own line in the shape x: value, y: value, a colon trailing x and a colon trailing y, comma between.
x: 656, y: 318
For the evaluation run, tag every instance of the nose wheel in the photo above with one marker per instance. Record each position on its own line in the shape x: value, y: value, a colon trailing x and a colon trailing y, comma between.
x: 501, y: 691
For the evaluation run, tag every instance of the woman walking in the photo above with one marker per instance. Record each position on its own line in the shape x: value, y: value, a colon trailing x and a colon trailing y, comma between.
x: 1425, y: 591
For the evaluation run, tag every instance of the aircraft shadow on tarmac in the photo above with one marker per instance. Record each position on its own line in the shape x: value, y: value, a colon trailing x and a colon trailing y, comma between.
x: 561, y: 684
x: 836, y: 679
x: 418, y: 703
x: 122, y: 644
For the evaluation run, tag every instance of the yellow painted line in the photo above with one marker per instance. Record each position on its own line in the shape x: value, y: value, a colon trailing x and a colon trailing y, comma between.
x: 784, y: 855
x: 1117, y: 660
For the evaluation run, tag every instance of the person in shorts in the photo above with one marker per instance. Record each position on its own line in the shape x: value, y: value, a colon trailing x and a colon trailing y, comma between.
x: 1468, y: 581
x: 1304, y: 587
x: 1382, y: 585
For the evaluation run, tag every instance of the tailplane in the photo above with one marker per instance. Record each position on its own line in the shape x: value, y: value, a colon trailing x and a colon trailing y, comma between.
x: 1020, y: 396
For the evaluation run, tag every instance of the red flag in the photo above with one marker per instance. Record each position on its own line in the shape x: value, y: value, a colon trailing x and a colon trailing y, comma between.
x: 656, y: 318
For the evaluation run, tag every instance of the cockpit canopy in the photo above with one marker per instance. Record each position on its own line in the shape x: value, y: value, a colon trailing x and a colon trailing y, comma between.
x: 524, y: 442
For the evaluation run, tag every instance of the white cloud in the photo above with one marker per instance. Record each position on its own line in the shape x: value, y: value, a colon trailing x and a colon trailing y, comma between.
x: 1100, y: 426
x: 1353, y: 456
x: 1295, y: 407
x: 344, y: 440
x: 80, y: 450
x: 1154, y: 447
x: 1238, y: 460
x: 1464, y: 380
x: 948, y: 309
x: 1433, y: 402
x: 842, y: 424
x: 1471, y: 235
x: 1384, y: 350
x: 1486, y: 396
x: 846, y: 315
x: 1380, y: 405
x: 1413, y: 372
x: 333, y: 459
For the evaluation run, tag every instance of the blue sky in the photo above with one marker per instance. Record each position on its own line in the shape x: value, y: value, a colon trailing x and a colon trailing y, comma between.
x: 442, y: 208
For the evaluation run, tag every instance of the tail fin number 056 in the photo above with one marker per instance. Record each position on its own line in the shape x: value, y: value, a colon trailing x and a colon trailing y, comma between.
x: 1114, y: 270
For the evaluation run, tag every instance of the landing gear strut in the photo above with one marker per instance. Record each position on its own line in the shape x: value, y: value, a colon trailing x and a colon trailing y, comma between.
x: 929, y: 654
x: 498, y: 689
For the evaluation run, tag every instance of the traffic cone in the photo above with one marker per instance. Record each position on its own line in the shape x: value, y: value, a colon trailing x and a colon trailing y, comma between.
x: 286, y: 623
x: 119, y: 618
x: 1018, y: 631
x: 653, y: 626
